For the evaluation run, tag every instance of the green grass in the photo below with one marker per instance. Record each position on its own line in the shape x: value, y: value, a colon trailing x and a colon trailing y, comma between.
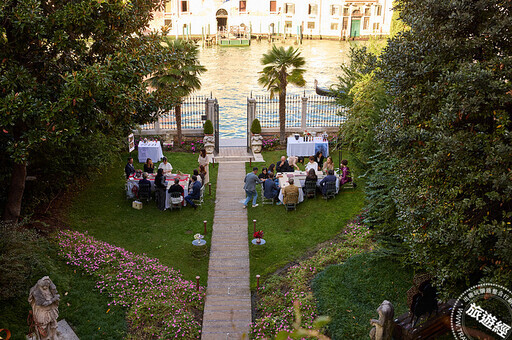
x: 290, y: 235
x: 103, y: 210
x: 351, y: 292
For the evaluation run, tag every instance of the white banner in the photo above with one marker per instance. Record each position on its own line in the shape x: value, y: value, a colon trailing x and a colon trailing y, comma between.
x: 131, y: 143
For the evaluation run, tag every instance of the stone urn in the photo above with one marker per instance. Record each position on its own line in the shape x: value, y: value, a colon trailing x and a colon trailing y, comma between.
x: 209, y: 143
x: 256, y: 143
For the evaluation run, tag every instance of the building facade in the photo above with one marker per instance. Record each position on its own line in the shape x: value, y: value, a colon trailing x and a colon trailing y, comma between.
x: 330, y: 19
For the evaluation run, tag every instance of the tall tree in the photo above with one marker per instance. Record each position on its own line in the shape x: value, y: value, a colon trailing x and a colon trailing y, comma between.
x: 449, y: 129
x: 283, y: 67
x: 178, y: 77
x: 70, y: 69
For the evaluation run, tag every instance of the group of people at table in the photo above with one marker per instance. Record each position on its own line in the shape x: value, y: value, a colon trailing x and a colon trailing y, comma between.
x: 188, y: 188
x: 276, y: 187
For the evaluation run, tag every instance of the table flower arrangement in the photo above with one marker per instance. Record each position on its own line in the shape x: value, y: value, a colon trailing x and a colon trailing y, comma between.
x: 198, y: 237
x: 258, y: 235
x: 307, y: 135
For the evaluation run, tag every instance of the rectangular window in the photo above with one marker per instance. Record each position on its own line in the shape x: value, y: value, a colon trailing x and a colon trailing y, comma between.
x: 367, y: 11
x: 335, y: 10
x: 168, y: 6
x: 288, y: 24
x: 378, y: 11
x: 243, y: 6
x: 184, y: 6
x: 376, y: 26
x: 168, y: 23
x: 311, y: 25
x: 334, y: 26
x: 345, y: 11
x: 273, y: 6
x: 366, y: 23
x: 345, y: 23
x: 289, y: 8
x: 312, y: 9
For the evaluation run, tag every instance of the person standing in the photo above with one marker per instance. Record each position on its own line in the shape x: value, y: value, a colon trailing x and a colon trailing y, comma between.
x: 129, y: 169
x: 160, y: 186
x: 205, y: 162
x: 251, y: 179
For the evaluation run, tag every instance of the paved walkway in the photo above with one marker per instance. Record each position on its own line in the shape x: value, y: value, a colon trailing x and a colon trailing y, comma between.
x: 227, y: 311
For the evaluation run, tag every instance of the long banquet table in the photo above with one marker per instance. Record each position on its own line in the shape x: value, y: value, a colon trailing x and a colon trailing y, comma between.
x: 301, y: 148
x: 299, y: 180
x: 134, y: 182
x: 151, y: 150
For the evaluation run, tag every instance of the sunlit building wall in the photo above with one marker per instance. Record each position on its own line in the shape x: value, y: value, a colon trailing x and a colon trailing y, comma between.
x: 332, y: 19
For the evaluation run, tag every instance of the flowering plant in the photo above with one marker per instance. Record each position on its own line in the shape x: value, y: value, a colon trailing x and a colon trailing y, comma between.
x: 306, y: 133
x: 258, y: 234
x: 198, y: 236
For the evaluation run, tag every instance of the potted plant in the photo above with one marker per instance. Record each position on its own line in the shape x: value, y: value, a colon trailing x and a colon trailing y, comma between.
x: 209, y: 139
x: 256, y: 139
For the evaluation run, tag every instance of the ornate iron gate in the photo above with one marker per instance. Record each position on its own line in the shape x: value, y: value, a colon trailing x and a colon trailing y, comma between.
x: 249, y: 122
x: 216, y: 125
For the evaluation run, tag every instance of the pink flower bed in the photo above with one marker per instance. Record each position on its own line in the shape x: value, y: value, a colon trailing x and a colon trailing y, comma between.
x: 160, y: 303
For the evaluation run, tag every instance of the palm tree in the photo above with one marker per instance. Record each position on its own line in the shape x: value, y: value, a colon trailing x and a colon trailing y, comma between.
x: 179, y: 76
x: 275, y: 77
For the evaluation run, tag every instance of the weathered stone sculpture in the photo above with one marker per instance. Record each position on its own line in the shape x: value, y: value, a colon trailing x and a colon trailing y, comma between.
x: 383, y: 329
x: 209, y: 143
x: 256, y: 143
x: 44, y: 300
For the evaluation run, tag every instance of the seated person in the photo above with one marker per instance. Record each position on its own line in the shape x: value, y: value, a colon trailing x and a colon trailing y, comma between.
x: 283, y: 166
x: 166, y: 166
x: 292, y: 161
x: 271, y: 168
x: 319, y: 159
x: 291, y: 193
x: 311, y: 177
x: 328, y: 165
x: 312, y: 164
x: 149, y: 167
x: 191, y: 183
x: 176, y: 187
x: 329, y: 178
x: 129, y: 169
x: 144, y: 179
x: 202, y: 173
x: 345, y: 173
x: 196, y: 192
x: 264, y: 174
x: 270, y: 188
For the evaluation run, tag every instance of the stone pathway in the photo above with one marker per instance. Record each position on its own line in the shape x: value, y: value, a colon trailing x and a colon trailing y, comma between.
x: 227, y: 311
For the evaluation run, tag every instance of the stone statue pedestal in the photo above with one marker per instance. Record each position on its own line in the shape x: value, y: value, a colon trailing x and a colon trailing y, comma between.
x: 66, y: 333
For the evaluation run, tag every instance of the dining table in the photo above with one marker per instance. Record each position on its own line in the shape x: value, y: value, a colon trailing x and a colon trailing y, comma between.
x: 299, y: 178
x: 133, y: 182
x: 149, y: 149
x: 305, y: 148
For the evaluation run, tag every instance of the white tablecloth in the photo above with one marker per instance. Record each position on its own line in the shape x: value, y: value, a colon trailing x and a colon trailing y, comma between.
x: 134, y: 182
x: 300, y: 148
x: 151, y: 150
x: 299, y: 180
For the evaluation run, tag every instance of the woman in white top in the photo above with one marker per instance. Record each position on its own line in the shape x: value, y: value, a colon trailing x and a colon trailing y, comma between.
x: 312, y: 164
x: 166, y: 166
x: 204, y: 161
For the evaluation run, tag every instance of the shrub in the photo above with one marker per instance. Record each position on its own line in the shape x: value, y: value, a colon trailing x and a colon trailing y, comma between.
x: 270, y: 144
x: 256, y: 126
x: 208, y: 127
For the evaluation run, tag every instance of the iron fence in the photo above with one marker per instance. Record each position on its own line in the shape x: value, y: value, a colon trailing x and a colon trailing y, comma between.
x: 192, y: 109
x: 324, y: 112
x: 267, y: 111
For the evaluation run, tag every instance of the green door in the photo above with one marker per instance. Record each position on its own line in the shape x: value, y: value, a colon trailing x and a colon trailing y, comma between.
x: 355, y: 28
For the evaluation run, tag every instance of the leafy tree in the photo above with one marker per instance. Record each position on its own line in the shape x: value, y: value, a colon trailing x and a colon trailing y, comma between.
x: 449, y: 129
x: 70, y: 70
x: 276, y: 76
x: 178, y: 77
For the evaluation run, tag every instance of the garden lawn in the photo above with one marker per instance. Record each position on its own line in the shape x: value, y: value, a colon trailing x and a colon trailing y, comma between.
x: 351, y: 292
x: 103, y: 211
x: 290, y: 235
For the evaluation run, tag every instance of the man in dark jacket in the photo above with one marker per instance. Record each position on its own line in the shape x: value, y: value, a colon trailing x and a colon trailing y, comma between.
x: 129, y: 169
x: 270, y: 188
x: 196, y: 192
x: 283, y: 166
x: 329, y: 178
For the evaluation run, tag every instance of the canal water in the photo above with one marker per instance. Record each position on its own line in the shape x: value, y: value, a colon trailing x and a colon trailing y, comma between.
x: 233, y: 73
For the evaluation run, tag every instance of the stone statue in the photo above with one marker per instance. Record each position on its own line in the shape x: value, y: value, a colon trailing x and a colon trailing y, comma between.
x: 44, y: 300
x: 383, y: 329
x: 209, y: 143
x: 256, y: 143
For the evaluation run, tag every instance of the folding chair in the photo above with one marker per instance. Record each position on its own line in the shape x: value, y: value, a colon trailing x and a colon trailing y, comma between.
x: 265, y: 200
x: 292, y: 200
x: 176, y: 200
x: 144, y: 191
x: 310, y: 189
x: 330, y: 190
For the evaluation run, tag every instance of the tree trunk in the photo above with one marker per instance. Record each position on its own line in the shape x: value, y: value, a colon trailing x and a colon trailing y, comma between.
x: 16, y: 188
x: 282, y: 117
x: 177, y: 110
